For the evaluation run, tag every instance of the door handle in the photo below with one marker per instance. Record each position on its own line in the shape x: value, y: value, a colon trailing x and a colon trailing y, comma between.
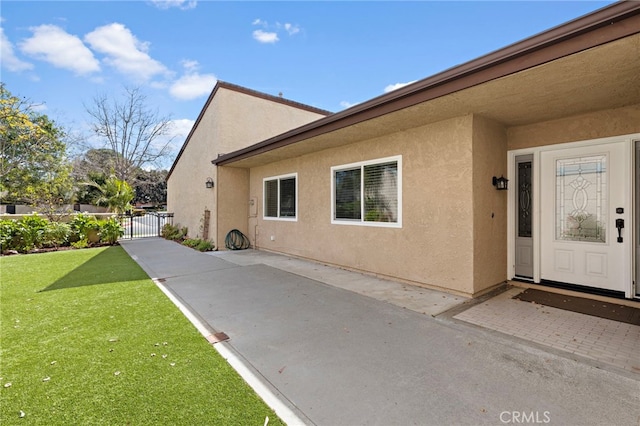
x: 620, y: 226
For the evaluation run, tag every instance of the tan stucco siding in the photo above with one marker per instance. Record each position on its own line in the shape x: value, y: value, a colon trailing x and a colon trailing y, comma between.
x: 434, y: 247
x: 187, y: 195
x: 599, y: 124
x: 233, y: 208
x: 489, y: 205
x: 244, y: 120
x: 232, y: 121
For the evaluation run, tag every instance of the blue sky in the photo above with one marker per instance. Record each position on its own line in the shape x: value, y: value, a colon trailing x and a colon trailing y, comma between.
x: 330, y: 55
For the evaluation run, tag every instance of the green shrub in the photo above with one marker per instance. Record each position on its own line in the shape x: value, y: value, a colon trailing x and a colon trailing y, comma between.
x: 190, y: 242
x: 81, y: 226
x: 8, y: 235
x: 198, y: 244
x: 31, y: 232
x: 80, y: 244
x: 110, y: 230
x: 174, y: 233
x: 57, y: 234
x: 34, y: 232
x: 205, y: 245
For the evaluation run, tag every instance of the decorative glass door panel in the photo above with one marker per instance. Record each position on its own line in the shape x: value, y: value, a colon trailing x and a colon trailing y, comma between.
x: 524, y: 222
x: 524, y: 199
x: 581, y: 194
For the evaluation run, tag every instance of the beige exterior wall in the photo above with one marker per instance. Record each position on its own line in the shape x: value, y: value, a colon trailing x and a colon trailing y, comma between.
x: 233, y: 120
x: 489, y: 205
x: 454, y: 230
x: 233, y: 210
x: 599, y: 124
x: 491, y: 143
x: 433, y: 248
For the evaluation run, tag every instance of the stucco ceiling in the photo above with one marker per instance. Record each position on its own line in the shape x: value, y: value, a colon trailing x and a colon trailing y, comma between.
x: 603, y: 77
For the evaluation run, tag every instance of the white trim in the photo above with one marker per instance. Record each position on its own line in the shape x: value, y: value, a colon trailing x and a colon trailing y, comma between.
x: 511, y: 211
x: 536, y: 180
x: 635, y: 219
x: 362, y: 222
x: 264, y: 198
x: 631, y: 224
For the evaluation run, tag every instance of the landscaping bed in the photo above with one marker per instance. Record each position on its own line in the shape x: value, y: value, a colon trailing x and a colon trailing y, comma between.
x: 35, y: 233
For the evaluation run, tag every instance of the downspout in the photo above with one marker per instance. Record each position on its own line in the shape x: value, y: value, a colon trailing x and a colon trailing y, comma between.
x: 215, y: 194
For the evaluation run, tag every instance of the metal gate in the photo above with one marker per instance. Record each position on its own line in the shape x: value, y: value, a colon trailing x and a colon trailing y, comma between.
x: 148, y: 224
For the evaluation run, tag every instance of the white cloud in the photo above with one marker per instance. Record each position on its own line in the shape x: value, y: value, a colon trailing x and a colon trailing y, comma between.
x: 270, y: 32
x: 392, y: 87
x: 181, y: 4
x: 291, y: 29
x: 265, y: 37
x: 125, y: 52
x: 345, y: 104
x: 61, y: 49
x: 180, y: 128
x: 9, y: 59
x: 177, y: 133
x: 190, y: 65
x: 192, y: 85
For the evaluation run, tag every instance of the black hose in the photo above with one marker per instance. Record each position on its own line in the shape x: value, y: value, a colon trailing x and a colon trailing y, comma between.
x: 236, y: 240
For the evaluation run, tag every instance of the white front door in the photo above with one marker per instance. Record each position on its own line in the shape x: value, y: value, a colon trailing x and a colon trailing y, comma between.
x: 584, y: 192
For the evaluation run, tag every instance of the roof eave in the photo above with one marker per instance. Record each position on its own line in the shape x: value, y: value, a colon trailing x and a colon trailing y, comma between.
x: 470, y: 71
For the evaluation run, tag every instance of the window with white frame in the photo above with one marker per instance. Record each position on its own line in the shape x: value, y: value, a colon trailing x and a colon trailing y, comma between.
x: 368, y: 193
x: 280, y: 197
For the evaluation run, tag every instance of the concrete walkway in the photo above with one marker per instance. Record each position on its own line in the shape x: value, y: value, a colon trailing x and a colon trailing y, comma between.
x: 335, y: 352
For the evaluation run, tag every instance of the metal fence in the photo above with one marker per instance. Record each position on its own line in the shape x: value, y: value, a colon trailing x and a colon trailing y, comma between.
x: 148, y: 224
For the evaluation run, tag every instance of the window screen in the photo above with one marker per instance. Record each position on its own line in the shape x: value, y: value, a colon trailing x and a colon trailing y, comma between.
x: 381, y: 192
x: 367, y: 193
x: 271, y: 198
x: 348, y: 201
x: 280, y: 197
x: 288, y: 197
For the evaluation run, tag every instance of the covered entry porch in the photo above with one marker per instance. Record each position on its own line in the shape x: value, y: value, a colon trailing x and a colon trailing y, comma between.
x: 573, y: 221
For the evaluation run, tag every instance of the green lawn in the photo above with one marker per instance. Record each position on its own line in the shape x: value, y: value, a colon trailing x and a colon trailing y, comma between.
x: 87, y: 338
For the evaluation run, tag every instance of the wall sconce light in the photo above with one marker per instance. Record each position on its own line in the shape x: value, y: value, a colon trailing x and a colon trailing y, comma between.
x: 209, y: 183
x: 501, y: 183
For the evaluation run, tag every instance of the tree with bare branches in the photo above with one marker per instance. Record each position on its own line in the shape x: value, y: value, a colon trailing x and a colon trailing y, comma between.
x: 128, y: 126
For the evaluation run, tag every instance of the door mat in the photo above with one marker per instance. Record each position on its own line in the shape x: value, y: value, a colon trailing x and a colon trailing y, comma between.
x: 582, y: 305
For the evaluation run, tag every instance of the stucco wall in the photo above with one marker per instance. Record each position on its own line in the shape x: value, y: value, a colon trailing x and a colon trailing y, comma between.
x: 600, y: 124
x: 244, y: 120
x: 233, y: 120
x: 187, y: 195
x: 233, y: 209
x: 434, y: 247
x: 489, y: 205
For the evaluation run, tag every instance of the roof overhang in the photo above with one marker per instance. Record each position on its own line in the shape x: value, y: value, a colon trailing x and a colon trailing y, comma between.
x: 587, y: 64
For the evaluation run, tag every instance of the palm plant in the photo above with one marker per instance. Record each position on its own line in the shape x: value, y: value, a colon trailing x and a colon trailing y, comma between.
x: 115, y: 194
